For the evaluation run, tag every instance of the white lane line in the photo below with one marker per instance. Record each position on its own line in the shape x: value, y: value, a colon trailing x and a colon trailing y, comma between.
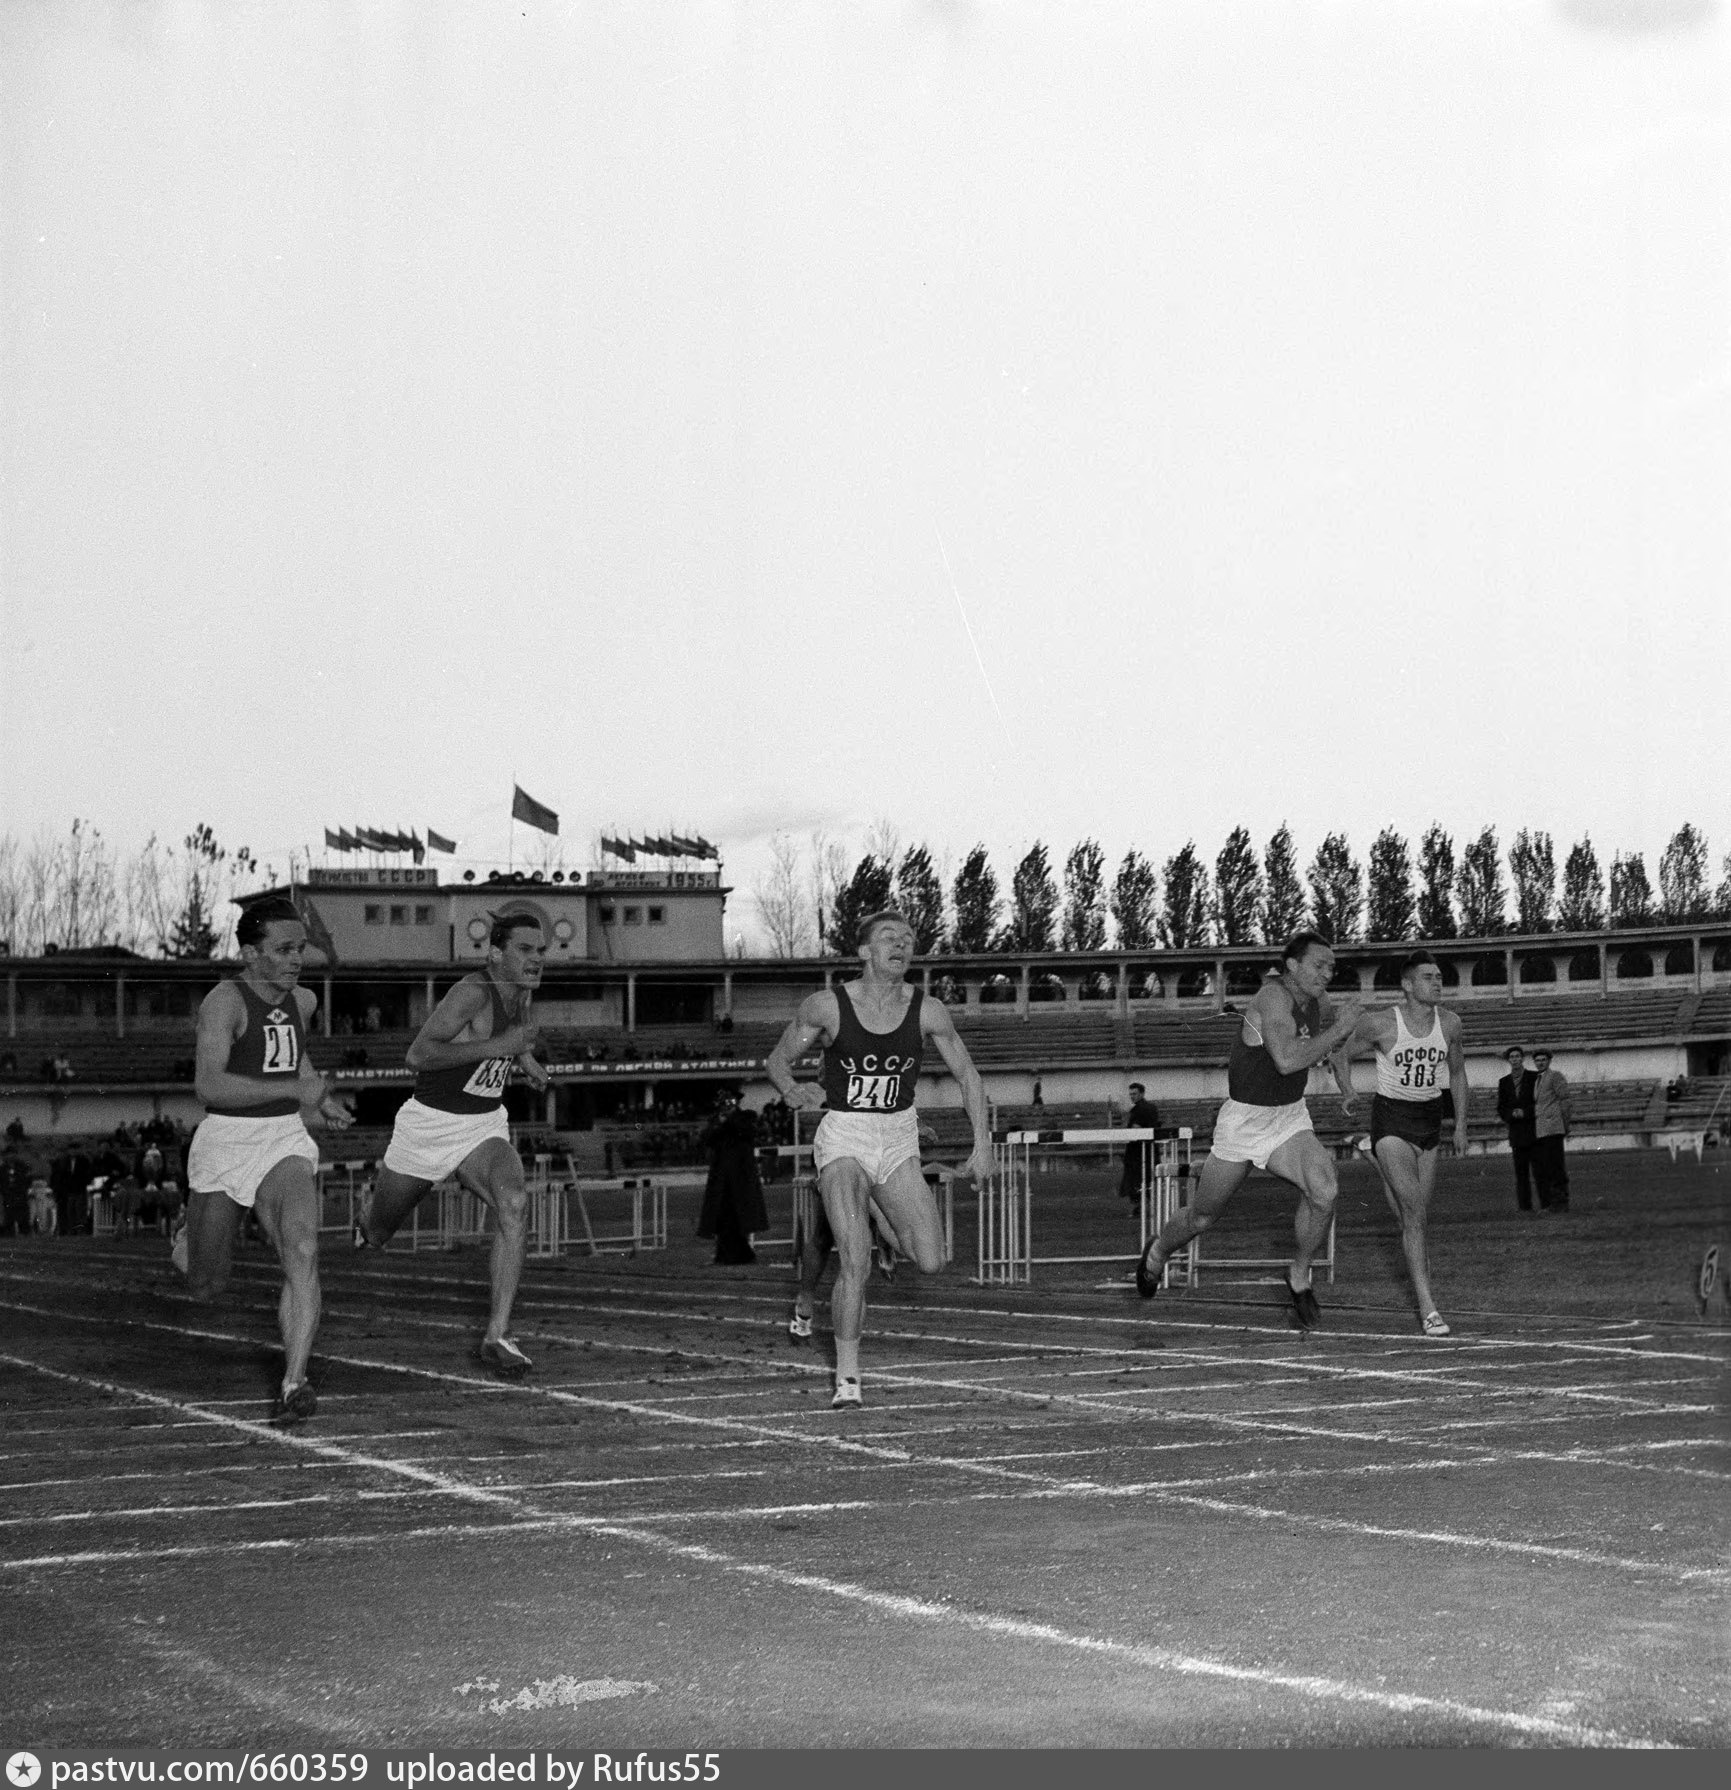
x: 919, y: 1609
x: 1044, y: 1483
x: 382, y: 1289
x: 897, y: 1455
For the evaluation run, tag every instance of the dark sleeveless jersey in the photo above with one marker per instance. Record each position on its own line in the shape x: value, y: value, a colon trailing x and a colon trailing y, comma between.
x: 1251, y: 1076
x: 269, y: 1053
x: 470, y: 1087
x: 872, y: 1072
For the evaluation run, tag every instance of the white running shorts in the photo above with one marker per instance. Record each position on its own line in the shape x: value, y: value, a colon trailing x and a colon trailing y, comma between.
x: 233, y: 1156
x: 428, y: 1144
x: 1253, y: 1133
x: 879, y: 1142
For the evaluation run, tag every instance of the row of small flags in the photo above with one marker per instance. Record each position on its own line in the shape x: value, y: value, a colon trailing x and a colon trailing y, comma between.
x: 673, y: 846
x: 525, y: 808
x: 375, y: 839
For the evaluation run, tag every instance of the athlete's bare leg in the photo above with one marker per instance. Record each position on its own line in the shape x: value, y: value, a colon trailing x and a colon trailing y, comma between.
x: 395, y: 1196
x: 493, y: 1172
x: 815, y: 1244
x: 909, y: 1210
x: 212, y: 1224
x: 1308, y: 1166
x: 1408, y: 1177
x: 1213, y: 1188
x: 287, y: 1208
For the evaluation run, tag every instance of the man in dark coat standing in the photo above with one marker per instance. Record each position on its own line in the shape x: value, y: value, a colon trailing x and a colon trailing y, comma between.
x: 1143, y: 1115
x: 733, y: 1197
x: 1515, y: 1109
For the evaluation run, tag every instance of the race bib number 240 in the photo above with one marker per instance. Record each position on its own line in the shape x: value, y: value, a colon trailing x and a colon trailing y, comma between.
x: 873, y: 1093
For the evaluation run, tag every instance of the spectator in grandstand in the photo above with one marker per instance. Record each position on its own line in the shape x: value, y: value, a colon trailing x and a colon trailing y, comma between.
x: 1515, y: 1109
x: 1143, y: 1115
x: 726, y: 1023
x: 14, y: 1192
x: 70, y: 1179
x: 1551, y: 1109
x: 1039, y: 1099
x: 44, y: 1212
x: 733, y: 1196
x: 15, y: 1132
x: 63, y: 1070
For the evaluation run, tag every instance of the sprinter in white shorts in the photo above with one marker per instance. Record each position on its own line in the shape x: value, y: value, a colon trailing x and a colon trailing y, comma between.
x: 867, y: 1149
x: 252, y: 1152
x: 454, y: 1123
x: 1264, y: 1123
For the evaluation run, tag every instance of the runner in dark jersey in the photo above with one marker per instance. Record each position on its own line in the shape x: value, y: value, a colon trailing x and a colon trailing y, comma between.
x: 1263, y: 1123
x: 454, y: 1123
x: 252, y: 1152
x: 873, y: 1033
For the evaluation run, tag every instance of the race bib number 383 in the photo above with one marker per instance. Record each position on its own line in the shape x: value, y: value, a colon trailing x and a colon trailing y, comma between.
x: 873, y: 1093
x: 488, y: 1081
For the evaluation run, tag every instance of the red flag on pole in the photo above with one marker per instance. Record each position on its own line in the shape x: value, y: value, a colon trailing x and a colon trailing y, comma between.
x: 535, y: 814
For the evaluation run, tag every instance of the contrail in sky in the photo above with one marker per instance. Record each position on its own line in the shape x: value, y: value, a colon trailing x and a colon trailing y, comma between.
x: 968, y: 630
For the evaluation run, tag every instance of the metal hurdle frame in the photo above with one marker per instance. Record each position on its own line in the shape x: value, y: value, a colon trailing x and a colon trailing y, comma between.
x: 1006, y: 1203
x: 805, y: 1205
x: 1184, y: 1268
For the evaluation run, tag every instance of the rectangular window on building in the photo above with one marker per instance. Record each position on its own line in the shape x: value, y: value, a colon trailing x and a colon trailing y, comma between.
x: 399, y: 915
x: 658, y: 916
x: 634, y: 916
x: 423, y: 916
x: 373, y: 914
x: 605, y: 913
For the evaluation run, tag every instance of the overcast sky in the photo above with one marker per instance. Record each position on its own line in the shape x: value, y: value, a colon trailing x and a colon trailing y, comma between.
x: 1021, y: 421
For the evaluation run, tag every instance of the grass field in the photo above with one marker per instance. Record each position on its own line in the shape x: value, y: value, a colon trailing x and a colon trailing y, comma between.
x: 1065, y: 1517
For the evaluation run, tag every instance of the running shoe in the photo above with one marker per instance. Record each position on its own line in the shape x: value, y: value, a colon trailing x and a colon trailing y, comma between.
x: 1435, y: 1324
x: 505, y: 1359
x: 846, y: 1393
x: 799, y: 1328
x: 296, y: 1405
x: 1304, y: 1306
x: 1148, y: 1277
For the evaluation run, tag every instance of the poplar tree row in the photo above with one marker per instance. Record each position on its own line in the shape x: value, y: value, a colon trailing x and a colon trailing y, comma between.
x: 1249, y: 897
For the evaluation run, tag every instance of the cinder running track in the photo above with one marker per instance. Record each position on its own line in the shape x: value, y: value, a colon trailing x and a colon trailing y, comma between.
x: 1064, y: 1518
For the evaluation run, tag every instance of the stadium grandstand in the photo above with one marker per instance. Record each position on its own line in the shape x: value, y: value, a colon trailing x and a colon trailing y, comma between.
x: 644, y: 1019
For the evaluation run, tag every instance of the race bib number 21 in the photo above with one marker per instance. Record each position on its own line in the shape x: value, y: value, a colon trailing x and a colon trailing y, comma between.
x: 282, y: 1050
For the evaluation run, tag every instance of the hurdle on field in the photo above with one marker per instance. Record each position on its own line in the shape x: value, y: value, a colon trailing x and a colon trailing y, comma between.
x: 1006, y: 1205
x: 805, y: 1207
x: 1006, y: 1201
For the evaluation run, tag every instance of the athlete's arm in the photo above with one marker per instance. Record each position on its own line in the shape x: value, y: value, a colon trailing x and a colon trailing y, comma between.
x: 534, y: 1071
x: 1459, y: 1090
x: 437, y: 1046
x: 221, y: 1020
x: 1365, y: 1034
x: 320, y: 1104
x: 936, y: 1024
x: 814, y: 1023
x: 1280, y: 1037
